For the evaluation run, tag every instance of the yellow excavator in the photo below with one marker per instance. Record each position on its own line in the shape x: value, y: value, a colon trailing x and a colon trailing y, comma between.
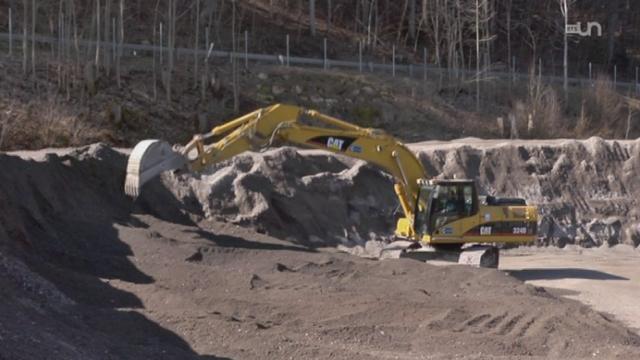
x: 442, y: 214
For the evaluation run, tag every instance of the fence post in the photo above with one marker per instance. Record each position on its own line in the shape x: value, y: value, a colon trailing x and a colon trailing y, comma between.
x: 590, y: 74
x: 424, y: 64
x: 636, y: 79
x: 246, y: 49
x: 325, y: 63
x: 287, y: 50
x: 10, y: 33
x: 360, y: 55
x: 513, y: 69
x: 393, y: 61
x: 615, y: 75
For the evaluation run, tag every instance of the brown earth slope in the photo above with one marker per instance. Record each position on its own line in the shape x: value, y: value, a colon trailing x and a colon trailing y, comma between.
x: 87, y: 273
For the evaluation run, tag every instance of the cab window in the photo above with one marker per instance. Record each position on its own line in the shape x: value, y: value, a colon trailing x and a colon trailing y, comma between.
x: 452, y: 202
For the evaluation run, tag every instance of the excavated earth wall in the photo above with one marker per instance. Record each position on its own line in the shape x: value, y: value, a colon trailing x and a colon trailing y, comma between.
x: 586, y: 190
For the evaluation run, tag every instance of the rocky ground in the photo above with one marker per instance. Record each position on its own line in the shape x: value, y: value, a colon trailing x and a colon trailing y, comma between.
x: 90, y: 274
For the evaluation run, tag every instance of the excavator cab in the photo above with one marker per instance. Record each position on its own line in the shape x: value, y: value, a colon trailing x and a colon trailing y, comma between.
x: 453, y: 223
x: 452, y: 212
x: 442, y: 202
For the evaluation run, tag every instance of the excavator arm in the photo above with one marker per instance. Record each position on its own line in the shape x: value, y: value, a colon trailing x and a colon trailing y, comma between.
x: 272, y: 126
x: 449, y: 212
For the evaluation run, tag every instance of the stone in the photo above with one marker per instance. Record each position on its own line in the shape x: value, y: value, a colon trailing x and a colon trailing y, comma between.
x: 368, y: 90
x: 277, y: 90
x: 606, y: 231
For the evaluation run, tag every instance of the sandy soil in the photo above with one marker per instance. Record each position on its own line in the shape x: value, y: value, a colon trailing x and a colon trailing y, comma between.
x: 87, y: 274
x: 605, y: 278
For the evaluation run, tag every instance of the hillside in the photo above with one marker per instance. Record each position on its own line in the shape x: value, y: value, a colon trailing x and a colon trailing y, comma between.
x: 74, y: 96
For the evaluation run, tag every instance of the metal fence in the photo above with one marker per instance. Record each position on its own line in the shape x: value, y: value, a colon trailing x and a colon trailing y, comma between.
x: 422, y: 70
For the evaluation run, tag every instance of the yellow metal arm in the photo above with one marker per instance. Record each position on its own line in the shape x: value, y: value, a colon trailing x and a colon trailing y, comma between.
x: 280, y: 123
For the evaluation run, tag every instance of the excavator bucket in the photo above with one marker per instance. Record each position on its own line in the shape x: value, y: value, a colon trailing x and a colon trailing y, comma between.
x: 148, y: 159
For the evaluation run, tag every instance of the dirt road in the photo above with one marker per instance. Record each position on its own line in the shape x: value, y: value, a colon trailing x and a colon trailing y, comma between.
x: 605, y: 278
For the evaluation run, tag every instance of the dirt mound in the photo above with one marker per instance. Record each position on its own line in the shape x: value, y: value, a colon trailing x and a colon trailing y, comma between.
x: 309, y: 197
x: 58, y: 251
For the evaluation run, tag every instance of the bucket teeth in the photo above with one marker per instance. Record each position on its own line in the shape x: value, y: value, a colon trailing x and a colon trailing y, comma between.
x: 148, y: 159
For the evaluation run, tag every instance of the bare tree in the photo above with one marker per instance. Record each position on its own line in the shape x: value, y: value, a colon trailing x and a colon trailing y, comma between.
x: 369, y: 21
x: 564, y: 9
x: 155, y: 72
x: 477, y: 11
x: 412, y: 19
x: 171, y: 38
x: 10, y: 29
x: 508, y: 5
x: 34, y: 12
x: 329, y: 15
x: 312, y: 16
x: 613, y: 10
x: 234, y: 63
x: 196, y: 46
x: 120, y: 43
x: 435, y: 26
x: 107, y: 32
x: 402, y: 19
x: 97, y: 61
x: 61, y: 39
x: 25, y: 24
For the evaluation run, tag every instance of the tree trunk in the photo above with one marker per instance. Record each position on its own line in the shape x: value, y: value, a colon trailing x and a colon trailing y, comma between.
x: 477, y: 55
x: 370, y: 20
x: 564, y: 8
x: 234, y: 64
x: 25, y: 24
x: 171, y: 38
x: 613, y: 17
x: 121, y: 43
x: 329, y: 14
x: 155, y: 44
x: 97, y: 61
x: 412, y: 19
x: 196, y: 46
x: 508, y: 15
x: 107, y: 33
x: 34, y: 12
x: 435, y: 20
x: 401, y: 23
x: 312, y: 16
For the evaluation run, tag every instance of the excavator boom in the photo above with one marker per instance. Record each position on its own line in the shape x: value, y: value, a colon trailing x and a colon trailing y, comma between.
x: 436, y: 212
x: 281, y: 124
